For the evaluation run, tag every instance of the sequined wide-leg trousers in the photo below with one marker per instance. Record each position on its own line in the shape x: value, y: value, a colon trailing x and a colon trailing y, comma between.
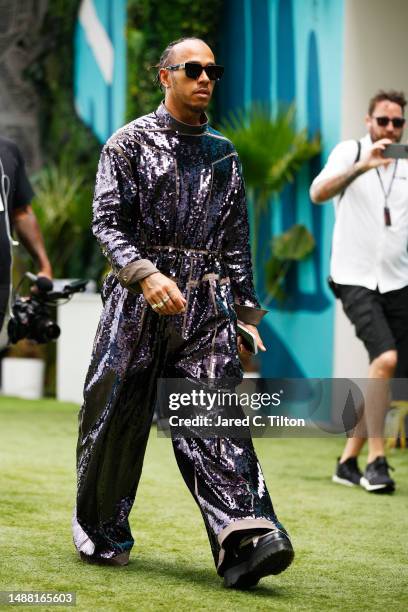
x: 223, y: 475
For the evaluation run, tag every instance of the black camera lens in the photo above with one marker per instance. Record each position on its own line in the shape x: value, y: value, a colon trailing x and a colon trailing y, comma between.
x: 45, y: 331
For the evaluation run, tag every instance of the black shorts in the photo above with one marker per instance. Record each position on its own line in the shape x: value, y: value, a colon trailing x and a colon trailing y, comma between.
x: 380, y: 320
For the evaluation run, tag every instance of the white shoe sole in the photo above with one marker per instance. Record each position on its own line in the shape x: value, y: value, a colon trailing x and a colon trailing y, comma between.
x: 343, y: 481
x: 369, y: 487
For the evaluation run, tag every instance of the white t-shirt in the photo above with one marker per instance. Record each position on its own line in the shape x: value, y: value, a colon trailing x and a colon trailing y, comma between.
x: 365, y: 251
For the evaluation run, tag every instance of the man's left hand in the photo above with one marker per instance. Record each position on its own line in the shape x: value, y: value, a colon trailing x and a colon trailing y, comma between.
x: 241, y: 346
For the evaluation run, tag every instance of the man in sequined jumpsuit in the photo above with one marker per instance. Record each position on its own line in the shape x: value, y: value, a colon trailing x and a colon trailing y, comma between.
x: 170, y: 214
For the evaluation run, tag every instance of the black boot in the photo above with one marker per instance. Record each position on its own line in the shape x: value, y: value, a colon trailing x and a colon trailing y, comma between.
x: 256, y: 556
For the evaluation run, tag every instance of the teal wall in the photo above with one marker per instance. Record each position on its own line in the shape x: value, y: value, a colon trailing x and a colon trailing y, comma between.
x: 291, y: 50
x: 99, y: 102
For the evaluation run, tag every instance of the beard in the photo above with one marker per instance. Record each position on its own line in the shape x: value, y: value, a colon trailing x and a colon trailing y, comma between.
x: 198, y: 106
x: 374, y: 135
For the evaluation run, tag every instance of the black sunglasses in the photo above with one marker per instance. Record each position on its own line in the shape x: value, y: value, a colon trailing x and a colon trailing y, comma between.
x: 397, y: 122
x: 194, y: 70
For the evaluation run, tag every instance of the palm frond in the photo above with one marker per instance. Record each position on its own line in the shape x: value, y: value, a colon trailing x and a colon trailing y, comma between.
x: 269, y: 146
x: 272, y: 151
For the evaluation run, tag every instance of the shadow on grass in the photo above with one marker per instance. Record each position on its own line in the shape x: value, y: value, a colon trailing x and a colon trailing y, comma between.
x: 152, y: 567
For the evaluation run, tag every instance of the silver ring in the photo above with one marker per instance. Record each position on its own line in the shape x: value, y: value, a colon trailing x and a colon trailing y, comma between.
x: 166, y: 299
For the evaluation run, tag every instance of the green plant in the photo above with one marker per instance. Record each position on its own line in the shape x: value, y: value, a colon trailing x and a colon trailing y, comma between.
x: 272, y: 151
x: 293, y: 245
x: 151, y: 25
x: 63, y: 207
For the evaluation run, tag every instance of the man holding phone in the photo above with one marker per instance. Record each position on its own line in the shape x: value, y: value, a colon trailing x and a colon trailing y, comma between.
x: 369, y: 268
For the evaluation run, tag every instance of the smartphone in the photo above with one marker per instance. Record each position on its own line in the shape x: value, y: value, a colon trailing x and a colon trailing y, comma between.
x: 396, y: 151
x: 248, y: 338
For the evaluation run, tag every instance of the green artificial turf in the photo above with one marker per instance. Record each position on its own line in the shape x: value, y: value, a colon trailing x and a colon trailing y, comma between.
x: 351, y: 547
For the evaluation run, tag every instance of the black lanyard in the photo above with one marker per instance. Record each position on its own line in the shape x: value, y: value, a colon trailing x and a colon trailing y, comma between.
x: 387, y: 212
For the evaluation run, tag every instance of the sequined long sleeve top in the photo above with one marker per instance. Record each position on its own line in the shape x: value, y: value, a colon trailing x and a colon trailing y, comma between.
x: 165, y: 184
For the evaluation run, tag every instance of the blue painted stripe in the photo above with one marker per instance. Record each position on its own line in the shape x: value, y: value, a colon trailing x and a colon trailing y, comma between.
x: 286, y: 90
x: 248, y: 53
x: 261, y: 52
x: 230, y: 90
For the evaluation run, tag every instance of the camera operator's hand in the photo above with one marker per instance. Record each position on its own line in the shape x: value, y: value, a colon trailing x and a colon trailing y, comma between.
x: 162, y: 294
x: 374, y: 157
x: 40, y: 282
x: 45, y: 271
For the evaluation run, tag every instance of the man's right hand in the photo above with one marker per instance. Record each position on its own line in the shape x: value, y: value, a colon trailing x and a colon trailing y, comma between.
x: 159, y: 289
x: 374, y: 157
x: 330, y: 187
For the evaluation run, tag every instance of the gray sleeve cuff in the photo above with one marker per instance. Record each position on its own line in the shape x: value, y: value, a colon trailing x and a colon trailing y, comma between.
x: 134, y: 272
x: 249, y: 314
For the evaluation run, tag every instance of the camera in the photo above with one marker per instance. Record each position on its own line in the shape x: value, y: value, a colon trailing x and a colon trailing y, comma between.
x: 31, y: 316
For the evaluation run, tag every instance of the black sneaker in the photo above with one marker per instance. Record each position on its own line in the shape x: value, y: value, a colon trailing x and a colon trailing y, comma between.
x: 376, y: 478
x: 257, y: 556
x: 347, y: 473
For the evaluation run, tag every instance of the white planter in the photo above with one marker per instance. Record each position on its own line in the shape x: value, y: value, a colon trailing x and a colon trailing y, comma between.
x: 78, y: 321
x: 23, y: 377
